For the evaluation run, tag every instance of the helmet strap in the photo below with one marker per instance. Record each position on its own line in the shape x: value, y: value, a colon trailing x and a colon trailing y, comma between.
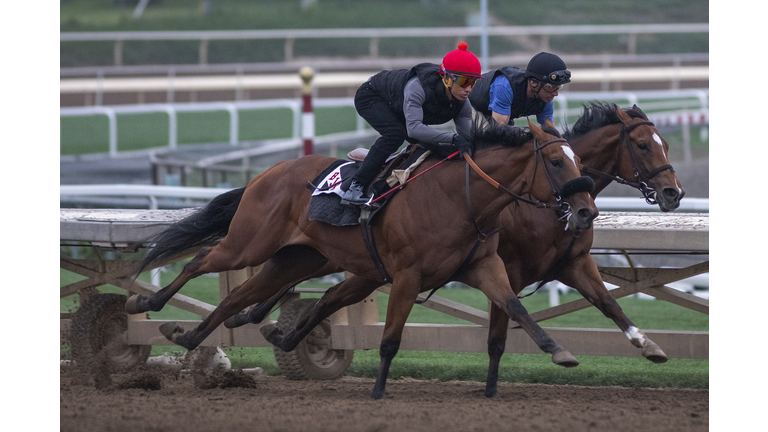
x: 536, y: 86
x: 447, y: 81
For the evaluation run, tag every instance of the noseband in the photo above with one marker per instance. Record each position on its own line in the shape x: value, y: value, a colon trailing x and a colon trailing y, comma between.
x: 643, y: 177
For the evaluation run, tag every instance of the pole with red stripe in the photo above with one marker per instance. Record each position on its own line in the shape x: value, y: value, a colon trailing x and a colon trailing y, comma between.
x: 307, y: 115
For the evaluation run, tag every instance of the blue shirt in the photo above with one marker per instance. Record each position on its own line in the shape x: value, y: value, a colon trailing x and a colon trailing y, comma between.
x: 501, y: 100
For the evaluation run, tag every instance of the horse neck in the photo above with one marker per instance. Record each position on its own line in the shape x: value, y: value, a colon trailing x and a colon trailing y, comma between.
x: 599, y: 150
x: 511, y: 167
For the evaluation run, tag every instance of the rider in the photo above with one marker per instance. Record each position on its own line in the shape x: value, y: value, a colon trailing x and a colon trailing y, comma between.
x: 399, y: 104
x: 509, y: 92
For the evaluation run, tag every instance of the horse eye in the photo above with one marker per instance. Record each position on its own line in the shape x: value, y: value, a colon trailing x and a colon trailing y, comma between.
x: 557, y: 163
x: 642, y: 146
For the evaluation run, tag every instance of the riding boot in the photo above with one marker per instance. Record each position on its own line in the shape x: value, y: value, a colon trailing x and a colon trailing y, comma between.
x: 355, y: 195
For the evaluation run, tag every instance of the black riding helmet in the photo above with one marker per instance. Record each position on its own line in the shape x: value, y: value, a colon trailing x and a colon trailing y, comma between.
x: 548, y: 68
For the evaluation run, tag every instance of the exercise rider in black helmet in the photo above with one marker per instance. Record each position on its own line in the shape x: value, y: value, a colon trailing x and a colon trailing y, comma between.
x: 400, y: 104
x: 509, y: 92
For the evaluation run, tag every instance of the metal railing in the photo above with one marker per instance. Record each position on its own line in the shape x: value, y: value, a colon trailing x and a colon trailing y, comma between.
x: 376, y: 34
x: 197, y: 196
x: 667, y: 100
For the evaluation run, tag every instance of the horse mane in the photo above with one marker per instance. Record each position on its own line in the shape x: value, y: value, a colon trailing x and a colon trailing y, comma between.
x: 489, y: 133
x: 599, y: 114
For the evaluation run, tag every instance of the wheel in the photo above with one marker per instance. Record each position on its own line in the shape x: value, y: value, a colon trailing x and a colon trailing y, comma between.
x: 98, y: 334
x: 313, y: 358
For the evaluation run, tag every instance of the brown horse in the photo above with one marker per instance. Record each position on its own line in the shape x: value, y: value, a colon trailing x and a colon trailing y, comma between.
x: 613, y: 145
x: 434, y: 231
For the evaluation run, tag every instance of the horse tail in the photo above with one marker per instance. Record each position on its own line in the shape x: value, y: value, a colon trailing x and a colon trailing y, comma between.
x: 204, y: 227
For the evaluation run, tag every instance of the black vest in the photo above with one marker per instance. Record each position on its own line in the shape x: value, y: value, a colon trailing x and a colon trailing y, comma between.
x: 480, y: 97
x: 438, y: 109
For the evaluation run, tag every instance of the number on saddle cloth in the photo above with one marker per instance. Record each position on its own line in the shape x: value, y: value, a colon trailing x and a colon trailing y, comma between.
x: 328, y: 187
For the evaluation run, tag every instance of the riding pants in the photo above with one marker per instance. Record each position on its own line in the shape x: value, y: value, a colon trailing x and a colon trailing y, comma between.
x: 377, y: 112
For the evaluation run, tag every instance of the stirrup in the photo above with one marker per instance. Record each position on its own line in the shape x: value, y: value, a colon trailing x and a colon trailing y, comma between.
x: 355, y: 195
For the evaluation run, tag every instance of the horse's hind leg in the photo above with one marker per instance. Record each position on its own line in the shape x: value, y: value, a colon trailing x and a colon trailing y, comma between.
x: 257, y: 313
x: 139, y: 303
x: 288, y: 267
x: 583, y: 275
x: 350, y: 291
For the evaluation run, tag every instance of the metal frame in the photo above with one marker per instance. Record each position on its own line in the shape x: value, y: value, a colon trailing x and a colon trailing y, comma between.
x: 358, y: 326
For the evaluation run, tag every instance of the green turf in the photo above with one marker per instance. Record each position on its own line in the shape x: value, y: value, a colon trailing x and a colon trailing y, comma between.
x: 445, y: 366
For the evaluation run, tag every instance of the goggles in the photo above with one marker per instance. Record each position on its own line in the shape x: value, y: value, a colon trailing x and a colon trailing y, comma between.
x: 551, y: 88
x: 463, y: 80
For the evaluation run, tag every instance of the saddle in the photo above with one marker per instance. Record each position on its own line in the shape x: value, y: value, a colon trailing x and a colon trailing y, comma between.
x: 327, y: 188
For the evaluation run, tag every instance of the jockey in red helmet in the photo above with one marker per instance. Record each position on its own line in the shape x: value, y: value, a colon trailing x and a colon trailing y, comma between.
x: 401, y: 104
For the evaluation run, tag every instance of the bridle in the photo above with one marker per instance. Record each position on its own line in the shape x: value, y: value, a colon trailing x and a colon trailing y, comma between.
x: 563, y: 208
x: 643, y: 177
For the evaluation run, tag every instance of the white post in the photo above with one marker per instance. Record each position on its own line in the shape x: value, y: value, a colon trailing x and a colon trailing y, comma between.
x: 554, y: 295
x: 484, y: 35
x: 234, y: 123
x: 140, y: 9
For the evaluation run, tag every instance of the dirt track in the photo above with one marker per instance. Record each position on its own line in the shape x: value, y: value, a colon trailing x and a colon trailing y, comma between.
x: 277, y: 404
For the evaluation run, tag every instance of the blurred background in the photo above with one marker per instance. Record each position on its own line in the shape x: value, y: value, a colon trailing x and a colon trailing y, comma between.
x: 207, y: 93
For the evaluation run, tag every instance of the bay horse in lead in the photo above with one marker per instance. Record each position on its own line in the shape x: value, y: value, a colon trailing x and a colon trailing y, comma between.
x: 429, y: 234
x: 614, y: 145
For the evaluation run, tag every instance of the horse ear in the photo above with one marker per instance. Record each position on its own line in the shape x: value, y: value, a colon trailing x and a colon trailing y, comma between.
x: 535, y: 130
x: 623, y: 116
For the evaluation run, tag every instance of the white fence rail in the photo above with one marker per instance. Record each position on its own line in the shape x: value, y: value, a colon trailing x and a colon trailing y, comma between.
x: 70, y: 194
x: 683, y: 104
x: 375, y: 34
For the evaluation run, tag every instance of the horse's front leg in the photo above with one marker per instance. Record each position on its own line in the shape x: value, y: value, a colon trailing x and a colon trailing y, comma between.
x: 497, y: 340
x: 402, y: 297
x: 489, y: 276
x: 583, y: 275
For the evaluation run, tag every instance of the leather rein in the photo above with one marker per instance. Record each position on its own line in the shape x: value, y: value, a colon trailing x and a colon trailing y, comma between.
x: 643, y: 178
x: 562, y: 207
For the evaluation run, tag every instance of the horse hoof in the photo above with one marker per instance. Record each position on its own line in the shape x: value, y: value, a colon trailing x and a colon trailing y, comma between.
x: 489, y: 393
x: 377, y: 395
x: 170, y: 329
x: 132, y: 305
x: 652, y: 352
x: 564, y: 358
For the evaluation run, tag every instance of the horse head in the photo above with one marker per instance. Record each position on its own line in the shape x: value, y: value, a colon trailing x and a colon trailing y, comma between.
x: 560, y: 178
x: 644, y: 162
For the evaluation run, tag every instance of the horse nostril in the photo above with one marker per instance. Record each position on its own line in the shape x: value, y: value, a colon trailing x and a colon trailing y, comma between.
x: 671, y: 194
x: 586, y: 214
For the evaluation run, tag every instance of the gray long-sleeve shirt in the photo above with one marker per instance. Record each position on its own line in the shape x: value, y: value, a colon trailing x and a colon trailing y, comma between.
x: 414, y: 97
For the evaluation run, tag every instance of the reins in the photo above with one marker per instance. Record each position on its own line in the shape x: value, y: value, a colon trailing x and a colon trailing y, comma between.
x: 642, y: 185
x: 560, y: 206
x: 392, y: 190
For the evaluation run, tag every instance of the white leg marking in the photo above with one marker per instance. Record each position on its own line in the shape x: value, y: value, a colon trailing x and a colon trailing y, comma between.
x: 634, y: 333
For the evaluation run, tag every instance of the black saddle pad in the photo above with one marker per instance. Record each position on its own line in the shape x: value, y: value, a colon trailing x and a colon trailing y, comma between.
x: 325, y: 205
x: 327, y: 188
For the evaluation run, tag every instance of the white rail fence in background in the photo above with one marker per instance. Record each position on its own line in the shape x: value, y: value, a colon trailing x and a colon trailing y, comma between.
x: 376, y: 34
x: 683, y: 107
x: 196, y: 196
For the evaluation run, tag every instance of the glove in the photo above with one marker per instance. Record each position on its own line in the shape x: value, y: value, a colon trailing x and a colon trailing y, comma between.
x: 462, y: 144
